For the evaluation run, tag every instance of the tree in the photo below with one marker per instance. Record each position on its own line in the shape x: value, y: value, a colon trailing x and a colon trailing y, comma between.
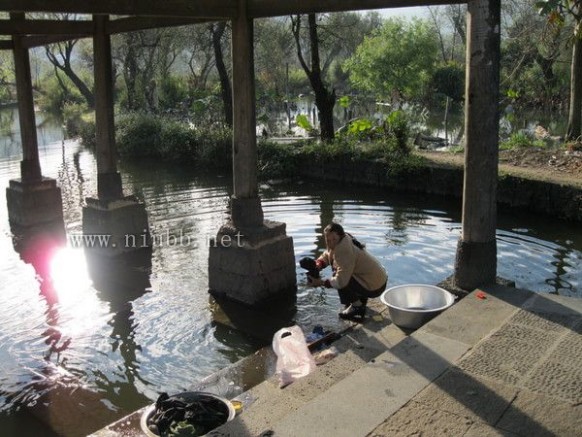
x: 449, y: 24
x: 60, y: 55
x: 199, y: 55
x: 217, y: 31
x: 532, y: 57
x: 129, y: 52
x: 396, y: 61
x: 274, y: 45
x: 7, y: 81
x: 145, y: 59
x: 557, y: 12
x: 324, y: 98
x: 340, y: 35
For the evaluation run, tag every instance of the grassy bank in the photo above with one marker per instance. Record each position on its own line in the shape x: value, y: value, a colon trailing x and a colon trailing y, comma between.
x: 148, y: 137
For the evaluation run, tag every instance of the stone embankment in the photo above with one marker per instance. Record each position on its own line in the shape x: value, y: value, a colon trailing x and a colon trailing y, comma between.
x: 555, y: 198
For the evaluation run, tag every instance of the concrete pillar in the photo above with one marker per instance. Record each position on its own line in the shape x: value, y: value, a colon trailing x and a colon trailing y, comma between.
x: 34, y: 202
x: 123, y: 219
x: 246, y: 207
x: 476, y: 262
x: 108, y: 179
x: 30, y: 164
x: 251, y: 260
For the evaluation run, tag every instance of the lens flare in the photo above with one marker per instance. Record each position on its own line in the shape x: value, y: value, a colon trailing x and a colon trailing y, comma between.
x: 69, y: 275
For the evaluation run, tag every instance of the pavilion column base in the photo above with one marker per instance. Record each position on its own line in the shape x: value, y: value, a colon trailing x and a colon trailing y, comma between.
x: 115, y: 227
x: 252, y: 265
x: 35, y: 206
x: 476, y: 264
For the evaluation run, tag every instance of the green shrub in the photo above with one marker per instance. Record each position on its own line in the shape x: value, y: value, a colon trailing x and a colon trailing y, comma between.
x: 75, y: 115
x: 53, y: 98
x: 398, y: 127
x: 86, y: 130
x: 520, y: 140
x: 400, y: 165
x: 139, y: 136
x: 146, y: 136
x: 214, y: 147
x: 340, y: 148
x: 178, y: 141
x: 173, y: 92
x: 277, y: 160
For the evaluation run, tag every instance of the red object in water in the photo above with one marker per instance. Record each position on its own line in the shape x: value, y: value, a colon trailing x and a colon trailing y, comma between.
x: 481, y: 295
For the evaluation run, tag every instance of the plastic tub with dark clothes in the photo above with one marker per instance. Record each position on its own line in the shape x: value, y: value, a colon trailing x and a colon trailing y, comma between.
x: 221, y: 406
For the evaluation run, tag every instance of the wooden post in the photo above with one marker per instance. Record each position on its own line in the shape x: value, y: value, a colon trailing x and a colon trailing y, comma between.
x: 108, y: 179
x: 245, y: 204
x: 476, y: 262
x: 30, y: 164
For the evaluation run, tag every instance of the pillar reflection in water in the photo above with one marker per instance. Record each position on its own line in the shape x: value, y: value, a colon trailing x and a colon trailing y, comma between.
x: 38, y: 246
x: 119, y: 280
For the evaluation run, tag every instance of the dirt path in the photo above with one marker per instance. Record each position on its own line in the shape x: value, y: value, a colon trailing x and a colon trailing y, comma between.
x: 557, y: 166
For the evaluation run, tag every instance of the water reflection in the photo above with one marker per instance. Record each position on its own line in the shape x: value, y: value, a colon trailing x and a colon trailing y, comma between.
x: 258, y: 323
x: 38, y: 248
x: 44, y: 249
x: 119, y: 280
x: 63, y: 273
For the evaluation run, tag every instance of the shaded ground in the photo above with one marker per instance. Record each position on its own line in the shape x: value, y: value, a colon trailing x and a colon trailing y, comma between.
x: 554, y: 165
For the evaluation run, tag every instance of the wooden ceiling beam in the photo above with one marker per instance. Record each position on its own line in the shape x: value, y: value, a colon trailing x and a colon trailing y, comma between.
x: 45, y: 27
x: 6, y: 44
x: 274, y: 8
x: 83, y: 28
x: 131, y: 24
x: 211, y: 9
x: 42, y: 40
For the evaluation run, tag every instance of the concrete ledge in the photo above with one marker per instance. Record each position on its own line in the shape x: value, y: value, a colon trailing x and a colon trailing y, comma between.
x: 562, y: 201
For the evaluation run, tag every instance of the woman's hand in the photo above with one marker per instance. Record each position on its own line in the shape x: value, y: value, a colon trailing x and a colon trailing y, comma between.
x: 315, y: 282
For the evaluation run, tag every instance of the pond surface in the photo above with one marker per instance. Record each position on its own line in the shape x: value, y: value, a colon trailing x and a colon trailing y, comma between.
x: 166, y: 337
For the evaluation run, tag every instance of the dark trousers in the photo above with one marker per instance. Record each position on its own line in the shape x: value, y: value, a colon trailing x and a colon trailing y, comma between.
x: 355, y: 291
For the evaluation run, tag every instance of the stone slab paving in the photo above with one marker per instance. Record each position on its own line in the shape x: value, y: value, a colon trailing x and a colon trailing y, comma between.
x: 357, y: 404
x: 427, y: 422
x: 523, y: 378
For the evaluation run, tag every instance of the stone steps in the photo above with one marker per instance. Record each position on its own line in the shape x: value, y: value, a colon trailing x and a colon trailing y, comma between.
x: 379, y: 370
x: 266, y: 407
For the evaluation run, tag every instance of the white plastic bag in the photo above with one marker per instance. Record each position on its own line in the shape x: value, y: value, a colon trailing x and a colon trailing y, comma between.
x: 293, y: 357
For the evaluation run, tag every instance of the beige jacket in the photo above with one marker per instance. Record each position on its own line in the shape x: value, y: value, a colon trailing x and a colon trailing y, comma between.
x: 348, y: 260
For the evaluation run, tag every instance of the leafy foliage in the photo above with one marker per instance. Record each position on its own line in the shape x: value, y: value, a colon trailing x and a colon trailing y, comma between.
x: 173, y: 92
x: 519, y: 140
x: 399, y: 57
x: 76, y: 117
x: 277, y: 160
x: 398, y: 127
x: 449, y: 79
x: 144, y: 136
x: 7, y: 93
x: 56, y: 96
x: 303, y: 122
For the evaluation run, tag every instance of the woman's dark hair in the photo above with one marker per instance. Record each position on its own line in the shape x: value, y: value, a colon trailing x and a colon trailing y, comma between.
x: 338, y: 229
